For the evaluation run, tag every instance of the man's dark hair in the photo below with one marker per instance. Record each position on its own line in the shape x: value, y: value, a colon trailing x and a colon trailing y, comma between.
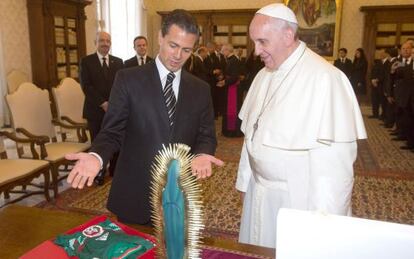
x: 140, y: 38
x: 344, y: 50
x: 182, y: 19
x: 393, y: 52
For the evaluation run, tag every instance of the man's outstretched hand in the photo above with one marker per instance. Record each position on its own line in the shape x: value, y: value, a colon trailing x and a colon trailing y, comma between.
x: 85, y: 170
x: 201, y: 165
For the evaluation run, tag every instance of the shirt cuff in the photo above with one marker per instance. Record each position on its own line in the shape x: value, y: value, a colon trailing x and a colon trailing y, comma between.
x: 98, y: 157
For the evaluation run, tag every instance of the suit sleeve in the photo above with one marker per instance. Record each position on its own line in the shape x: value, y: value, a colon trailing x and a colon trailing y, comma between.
x: 206, y: 139
x: 87, y: 85
x: 110, y: 137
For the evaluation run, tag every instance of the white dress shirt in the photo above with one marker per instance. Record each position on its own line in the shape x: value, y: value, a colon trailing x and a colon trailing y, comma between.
x: 163, y: 72
x: 100, y: 56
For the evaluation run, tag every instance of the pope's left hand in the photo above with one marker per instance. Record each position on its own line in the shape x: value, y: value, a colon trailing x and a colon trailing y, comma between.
x: 201, y: 165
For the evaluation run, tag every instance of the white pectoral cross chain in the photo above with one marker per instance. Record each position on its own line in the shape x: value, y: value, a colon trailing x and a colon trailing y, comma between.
x: 265, y: 104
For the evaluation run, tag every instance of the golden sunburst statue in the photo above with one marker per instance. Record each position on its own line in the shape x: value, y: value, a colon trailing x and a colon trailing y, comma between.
x: 176, y: 201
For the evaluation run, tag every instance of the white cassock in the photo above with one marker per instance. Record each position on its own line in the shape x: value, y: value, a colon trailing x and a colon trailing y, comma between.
x: 302, y: 152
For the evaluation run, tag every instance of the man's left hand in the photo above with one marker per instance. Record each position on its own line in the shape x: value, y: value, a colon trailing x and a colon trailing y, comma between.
x: 201, y: 165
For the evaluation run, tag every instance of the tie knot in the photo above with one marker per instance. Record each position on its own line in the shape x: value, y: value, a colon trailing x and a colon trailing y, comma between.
x: 170, y: 77
x: 104, y: 59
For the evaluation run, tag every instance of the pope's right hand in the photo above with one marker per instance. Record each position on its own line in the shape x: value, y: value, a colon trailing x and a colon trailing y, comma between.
x: 85, y: 170
x: 242, y: 194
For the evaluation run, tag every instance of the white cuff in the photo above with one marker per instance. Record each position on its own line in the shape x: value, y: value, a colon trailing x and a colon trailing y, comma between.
x: 99, y: 158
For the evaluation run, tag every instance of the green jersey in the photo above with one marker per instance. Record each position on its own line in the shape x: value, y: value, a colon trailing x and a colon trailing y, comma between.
x: 103, y: 240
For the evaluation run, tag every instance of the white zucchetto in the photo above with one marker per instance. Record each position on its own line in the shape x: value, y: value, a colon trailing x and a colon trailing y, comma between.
x: 279, y: 11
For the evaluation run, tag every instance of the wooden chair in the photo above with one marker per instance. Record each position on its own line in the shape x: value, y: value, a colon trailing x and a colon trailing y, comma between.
x: 32, y: 118
x: 14, y: 79
x: 21, y: 172
x: 69, y: 99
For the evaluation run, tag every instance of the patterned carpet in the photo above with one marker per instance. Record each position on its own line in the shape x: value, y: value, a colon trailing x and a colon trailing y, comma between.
x: 383, y: 190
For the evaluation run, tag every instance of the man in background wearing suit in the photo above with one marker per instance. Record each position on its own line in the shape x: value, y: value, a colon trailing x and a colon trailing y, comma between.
x: 200, y: 69
x: 343, y: 63
x: 141, y: 58
x: 151, y: 105
x: 97, y: 73
x: 213, y: 67
x: 379, y: 76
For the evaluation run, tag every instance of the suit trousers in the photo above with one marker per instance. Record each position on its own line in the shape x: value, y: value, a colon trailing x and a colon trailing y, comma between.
x: 376, y: 101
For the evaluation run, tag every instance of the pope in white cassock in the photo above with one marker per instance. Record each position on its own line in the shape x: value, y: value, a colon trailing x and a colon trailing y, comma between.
x: 301, y: 121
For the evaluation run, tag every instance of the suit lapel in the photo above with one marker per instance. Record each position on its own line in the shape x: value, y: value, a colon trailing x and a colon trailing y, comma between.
x: 111, y: 64
x: 184, y: 91
x: 159, y: 101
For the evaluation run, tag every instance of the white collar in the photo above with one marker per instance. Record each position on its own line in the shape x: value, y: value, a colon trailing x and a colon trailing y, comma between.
x: 100, y: 56
x: 293, y: 58
x: 163, y: 71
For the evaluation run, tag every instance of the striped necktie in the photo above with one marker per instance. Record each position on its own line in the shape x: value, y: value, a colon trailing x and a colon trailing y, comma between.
x: 170, y: 97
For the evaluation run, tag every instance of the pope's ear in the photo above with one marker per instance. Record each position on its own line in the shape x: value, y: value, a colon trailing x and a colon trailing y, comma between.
x: 288, y: 36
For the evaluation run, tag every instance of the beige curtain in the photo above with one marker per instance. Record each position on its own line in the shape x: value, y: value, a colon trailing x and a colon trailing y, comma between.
x: 124, y: 20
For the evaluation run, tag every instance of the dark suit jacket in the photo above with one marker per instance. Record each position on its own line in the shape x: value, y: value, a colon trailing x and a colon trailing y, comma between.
x: 358, y: 76
x: 137, y: 123
x: 200, y: 69
x: 404, y: 84
x: 133, y: 62
x: 211, y: 63
x: 95, y: 86
x: 379, y: 71
x: 253, y: 66
x: 345, y: 67
x: 389, y: 85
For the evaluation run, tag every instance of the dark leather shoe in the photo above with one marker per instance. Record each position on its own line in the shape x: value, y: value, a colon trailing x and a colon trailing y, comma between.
x: 99, y: 181
x: 407, y: 147
x: 100, y: 178
x: 398, y: 139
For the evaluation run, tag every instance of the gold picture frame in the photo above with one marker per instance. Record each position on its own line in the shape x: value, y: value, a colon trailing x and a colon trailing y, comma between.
x: 319, y: 24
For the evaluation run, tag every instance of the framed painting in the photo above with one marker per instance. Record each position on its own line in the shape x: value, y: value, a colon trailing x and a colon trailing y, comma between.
x: 319, y: 24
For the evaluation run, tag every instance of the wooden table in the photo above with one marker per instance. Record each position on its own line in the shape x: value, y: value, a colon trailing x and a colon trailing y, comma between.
x: 23, y: 228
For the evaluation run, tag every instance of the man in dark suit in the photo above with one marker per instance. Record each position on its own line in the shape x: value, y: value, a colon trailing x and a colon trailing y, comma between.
x: 97, y: 73
x: 213, y: 65
x: 389, y: 86
x: 141, y: 58
x: 200, y: 69
x: 344, y: 63
x: 403, y: 73
x: 378, y: 78
x: 141, y: 118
